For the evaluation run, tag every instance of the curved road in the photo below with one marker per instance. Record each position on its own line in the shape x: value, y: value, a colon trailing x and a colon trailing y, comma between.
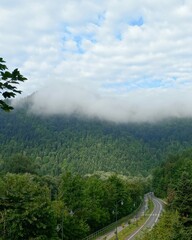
x: 151, y: 220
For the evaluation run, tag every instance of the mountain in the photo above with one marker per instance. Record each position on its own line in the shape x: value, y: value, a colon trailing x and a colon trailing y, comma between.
x: 78, y: 144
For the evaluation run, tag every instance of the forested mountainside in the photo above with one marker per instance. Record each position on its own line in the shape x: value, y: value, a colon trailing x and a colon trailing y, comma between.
x: 57, y: 143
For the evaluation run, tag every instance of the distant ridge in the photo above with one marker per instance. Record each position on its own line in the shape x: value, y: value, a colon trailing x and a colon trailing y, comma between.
x: 78, y: 144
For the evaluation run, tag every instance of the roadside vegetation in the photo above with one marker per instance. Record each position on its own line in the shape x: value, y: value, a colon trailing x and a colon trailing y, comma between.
x: 136, y: 223
x: 173, y: 180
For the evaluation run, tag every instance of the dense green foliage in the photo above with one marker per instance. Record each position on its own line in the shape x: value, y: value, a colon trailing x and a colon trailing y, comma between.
x: 65, y: 207
x: 8, y: 82
x: 173, y: 179
x: 169, y: 174
x: 57, y: 143
x: 25, y: 211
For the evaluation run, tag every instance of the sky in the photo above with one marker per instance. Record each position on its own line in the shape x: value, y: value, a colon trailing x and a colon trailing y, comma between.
x: 119, y: 60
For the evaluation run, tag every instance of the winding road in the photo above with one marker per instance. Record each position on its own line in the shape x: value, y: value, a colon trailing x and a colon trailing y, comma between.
x: 151, y: 220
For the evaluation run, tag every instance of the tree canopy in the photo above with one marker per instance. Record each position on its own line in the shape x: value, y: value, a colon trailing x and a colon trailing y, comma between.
x: 65, y: 207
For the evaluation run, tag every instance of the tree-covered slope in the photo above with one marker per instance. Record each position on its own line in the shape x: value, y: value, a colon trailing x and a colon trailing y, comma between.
x: 57, y: 143
x: 173, y: 181
x: 166, y: 177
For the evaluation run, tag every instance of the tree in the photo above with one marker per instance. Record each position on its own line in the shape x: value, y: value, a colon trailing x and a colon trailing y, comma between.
x: 19, y: 163
x: 71, y: 191
x: 97, y: 214
x: 8, y: 82
x: 69, y: 225
x: 183, y: 199
x: 25, y: 208
x: 72, y: 213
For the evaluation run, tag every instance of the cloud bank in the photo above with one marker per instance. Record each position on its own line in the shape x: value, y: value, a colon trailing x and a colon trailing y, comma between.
x: 118, y: 60
x: 138, y: 106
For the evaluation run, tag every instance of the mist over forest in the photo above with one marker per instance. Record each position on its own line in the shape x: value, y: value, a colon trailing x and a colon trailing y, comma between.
x: 71, y: 140
x: 139, y: 106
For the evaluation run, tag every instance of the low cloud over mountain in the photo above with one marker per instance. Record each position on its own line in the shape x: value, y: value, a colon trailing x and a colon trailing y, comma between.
x: 138, y: 106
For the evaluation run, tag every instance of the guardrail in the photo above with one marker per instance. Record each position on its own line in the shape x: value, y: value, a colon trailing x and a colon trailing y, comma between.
x: 112, y: 226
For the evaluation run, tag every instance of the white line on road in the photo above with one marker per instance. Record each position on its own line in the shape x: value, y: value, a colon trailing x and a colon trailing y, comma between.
x: 158, y: 215
x: 140, y: 227
x: 152, y: 214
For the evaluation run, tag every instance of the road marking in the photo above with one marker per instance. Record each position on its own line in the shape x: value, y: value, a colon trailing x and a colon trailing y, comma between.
x: 152, y: 214
x: 140, y: 227
x: 158, y: 215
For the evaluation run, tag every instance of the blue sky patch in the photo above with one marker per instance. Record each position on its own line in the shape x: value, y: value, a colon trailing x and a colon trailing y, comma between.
x: 67, y: 35
x: 137, y: 22
x: 118, y: 36
x: 100, y: 19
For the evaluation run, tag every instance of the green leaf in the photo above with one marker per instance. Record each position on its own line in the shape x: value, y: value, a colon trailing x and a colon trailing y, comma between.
x: 8, y: 94
x: 6, y: 75
x: 5, y: 106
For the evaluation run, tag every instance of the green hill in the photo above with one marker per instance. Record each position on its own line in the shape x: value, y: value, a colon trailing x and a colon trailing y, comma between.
x: 76, y: 144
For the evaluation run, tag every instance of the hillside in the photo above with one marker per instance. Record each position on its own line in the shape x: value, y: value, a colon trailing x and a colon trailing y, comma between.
x: 76, y: 144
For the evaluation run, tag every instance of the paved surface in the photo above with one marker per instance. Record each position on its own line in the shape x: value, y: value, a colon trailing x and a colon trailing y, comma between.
x: 151, y: 220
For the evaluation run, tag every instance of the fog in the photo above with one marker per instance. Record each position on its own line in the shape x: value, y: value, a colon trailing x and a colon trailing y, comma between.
x: 144, y: 105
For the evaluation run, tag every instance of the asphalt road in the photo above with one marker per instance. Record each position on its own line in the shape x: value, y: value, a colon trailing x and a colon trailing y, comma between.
x: 151, y: 220
x: 149, y: 223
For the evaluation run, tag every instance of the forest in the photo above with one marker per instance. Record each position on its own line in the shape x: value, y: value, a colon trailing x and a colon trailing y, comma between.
x: 61, y: 176
x: 81, y: 145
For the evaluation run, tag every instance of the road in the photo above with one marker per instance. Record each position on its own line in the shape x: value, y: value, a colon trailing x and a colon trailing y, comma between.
x: 151, y: 220
x: 149, y: 223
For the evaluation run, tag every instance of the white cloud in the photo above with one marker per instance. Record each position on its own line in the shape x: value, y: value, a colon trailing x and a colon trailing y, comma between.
x: 103, y: 46
x: 141, y: 105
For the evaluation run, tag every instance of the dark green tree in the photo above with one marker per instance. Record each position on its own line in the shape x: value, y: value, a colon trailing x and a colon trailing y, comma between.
x: 8, y: 84
x: 72, y: 191
x: 19, y: 163
x: 72, y: 213
x: 97, y: 214
x: 69, y: 225
x: 183, y: 199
